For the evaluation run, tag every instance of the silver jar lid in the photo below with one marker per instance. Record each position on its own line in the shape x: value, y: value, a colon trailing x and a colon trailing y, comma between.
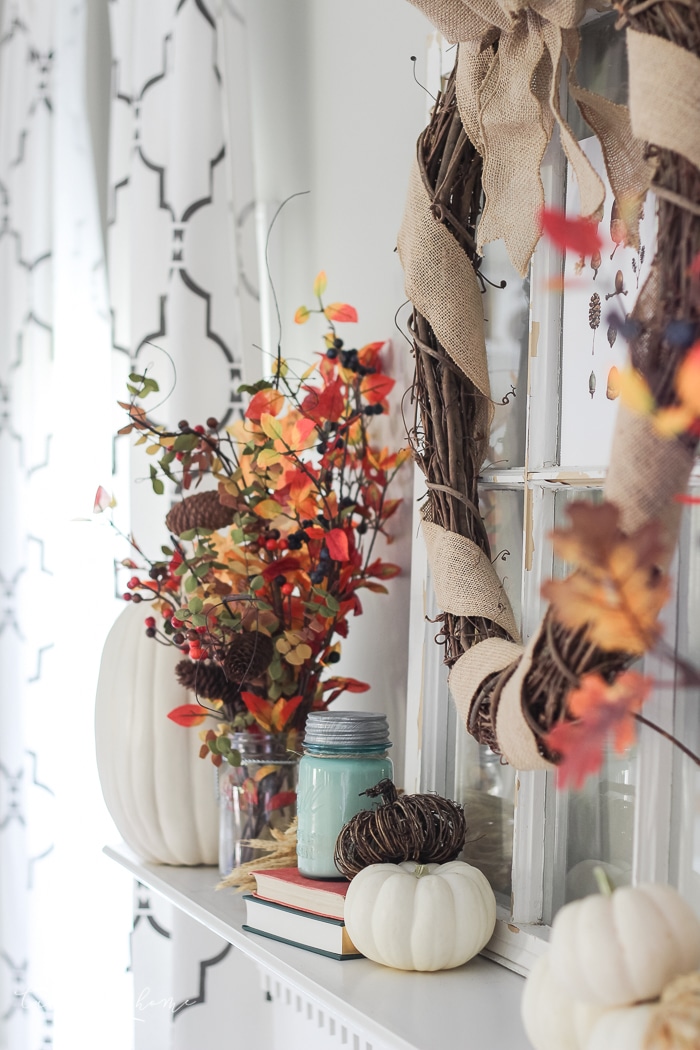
x: 346, y: 729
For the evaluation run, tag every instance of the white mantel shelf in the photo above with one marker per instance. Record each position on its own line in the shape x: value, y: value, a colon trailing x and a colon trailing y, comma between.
x: 475, y: 1007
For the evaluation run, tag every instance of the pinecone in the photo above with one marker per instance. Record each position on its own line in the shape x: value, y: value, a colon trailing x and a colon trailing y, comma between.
x: 207, y: 680
x: 201, y: 511
x: 248, y: 656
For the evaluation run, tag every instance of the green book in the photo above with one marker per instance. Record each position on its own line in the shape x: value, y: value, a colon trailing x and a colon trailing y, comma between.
x: 302, y: 929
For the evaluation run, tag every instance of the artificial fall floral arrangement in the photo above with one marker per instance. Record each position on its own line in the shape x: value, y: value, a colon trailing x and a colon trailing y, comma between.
x: 265, y: 567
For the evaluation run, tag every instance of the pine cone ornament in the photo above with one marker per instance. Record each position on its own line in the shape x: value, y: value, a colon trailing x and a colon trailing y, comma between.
x: 200, y: 511
x: 207, y: 680
x: 594, y: 311
x: 248, y: 656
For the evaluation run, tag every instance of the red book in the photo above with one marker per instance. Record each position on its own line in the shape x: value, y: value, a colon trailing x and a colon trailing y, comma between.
x: 286, y: 886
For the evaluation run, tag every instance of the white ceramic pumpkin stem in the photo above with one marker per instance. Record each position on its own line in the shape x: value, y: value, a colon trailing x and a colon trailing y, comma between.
x: 602, y: 878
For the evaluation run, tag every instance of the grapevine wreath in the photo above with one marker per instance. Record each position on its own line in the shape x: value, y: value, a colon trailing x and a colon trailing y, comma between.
x: 476, y: 177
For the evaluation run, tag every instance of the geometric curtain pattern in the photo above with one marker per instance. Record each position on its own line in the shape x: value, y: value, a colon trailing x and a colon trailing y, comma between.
x: 27, y: 787
x: 180, y: 195
x: 182, y: 270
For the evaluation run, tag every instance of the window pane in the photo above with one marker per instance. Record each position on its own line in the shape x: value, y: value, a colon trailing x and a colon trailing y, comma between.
x: 598, y: 828
x: 486, y: 788
x: 483, y: 784
x: 685, y: 851
x: 502, y: 511
x: 594, y: 826
x: 506, y: 314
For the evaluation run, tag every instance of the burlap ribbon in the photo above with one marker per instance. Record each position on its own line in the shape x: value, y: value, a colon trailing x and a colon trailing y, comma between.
x: 508, y: 78
x: 464, y: 580
x: 664, y: 94
x: 441, y: 283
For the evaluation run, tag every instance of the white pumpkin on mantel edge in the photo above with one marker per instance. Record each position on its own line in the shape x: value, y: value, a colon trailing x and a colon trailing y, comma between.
x: 420, y: 916
x: 160, y: 794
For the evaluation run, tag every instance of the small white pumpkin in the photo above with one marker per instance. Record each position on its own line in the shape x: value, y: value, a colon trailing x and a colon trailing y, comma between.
x: 551, y: 1018
x: 623, y: 948
x: 160, y: 794
x: 420, y: 916
x: 622, y: 1029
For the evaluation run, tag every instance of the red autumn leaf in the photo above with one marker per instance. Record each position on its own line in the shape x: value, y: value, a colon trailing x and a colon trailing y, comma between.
x: 376, y: 388
x: 384, y: 570
x: 315, y: 532
x: 283, y: 710
x: 280, y: 800
x: 684, y: 497
x: 337, y: 543
x: 187, y: 715
x: 580, y: 235
x: 600, y: 712
x: 368, y: 355
x: 279, y: 567
x: 268, y: 401
x: 340, y: 312
x: 350, y: 685
x: 376, y: 588
x: 324, y: 405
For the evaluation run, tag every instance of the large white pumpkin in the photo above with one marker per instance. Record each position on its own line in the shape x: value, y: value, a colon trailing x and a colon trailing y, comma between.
x: 621, y: 1029
x: 621, y: 949
x: 552, y: 1019
x: 420, y: 916
x: 160, y: 794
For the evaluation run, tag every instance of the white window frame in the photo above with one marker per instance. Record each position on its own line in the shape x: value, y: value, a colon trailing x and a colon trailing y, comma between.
x: 539, y: 839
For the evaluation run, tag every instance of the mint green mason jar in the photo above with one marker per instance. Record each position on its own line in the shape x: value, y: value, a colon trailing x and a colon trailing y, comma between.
x: 345, y: 752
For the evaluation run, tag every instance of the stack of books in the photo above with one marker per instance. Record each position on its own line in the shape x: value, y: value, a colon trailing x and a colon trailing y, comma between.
x: 307, y: 913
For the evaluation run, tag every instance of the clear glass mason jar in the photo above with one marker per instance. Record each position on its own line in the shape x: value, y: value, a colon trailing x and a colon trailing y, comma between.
x: 345, y: 752
x: 256, y: 796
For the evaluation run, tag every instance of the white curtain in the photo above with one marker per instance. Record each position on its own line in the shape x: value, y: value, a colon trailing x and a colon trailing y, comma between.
x: 182, y: 268
x: 55, y: 577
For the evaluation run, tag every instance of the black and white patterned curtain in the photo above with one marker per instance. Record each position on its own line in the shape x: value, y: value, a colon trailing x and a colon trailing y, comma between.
x: 175, y: 288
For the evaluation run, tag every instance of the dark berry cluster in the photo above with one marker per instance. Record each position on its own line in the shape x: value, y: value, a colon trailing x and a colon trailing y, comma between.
x: 296, y: 539
x: 324, y: 564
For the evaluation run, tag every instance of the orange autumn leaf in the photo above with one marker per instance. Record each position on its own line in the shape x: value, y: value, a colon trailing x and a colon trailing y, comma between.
x: 272, y: 717
x: 268, y: 401
x: 340, y: 312
x: 368, y: 355
x: 375, y: 388
x: 302, y: 315
x: 602, y: 712
x: 188, y: 715
x: 617, y: 591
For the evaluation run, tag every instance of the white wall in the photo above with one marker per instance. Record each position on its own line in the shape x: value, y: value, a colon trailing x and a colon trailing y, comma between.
x: 337, y: 112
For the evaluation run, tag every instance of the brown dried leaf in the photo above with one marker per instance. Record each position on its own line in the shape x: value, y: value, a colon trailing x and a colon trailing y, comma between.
x: 618, y: 590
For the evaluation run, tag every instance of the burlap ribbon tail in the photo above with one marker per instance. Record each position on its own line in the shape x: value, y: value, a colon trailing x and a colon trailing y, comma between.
x: 508, y: 92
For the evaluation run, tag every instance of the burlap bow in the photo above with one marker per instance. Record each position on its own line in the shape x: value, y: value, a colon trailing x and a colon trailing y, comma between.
x: 508, y: 81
